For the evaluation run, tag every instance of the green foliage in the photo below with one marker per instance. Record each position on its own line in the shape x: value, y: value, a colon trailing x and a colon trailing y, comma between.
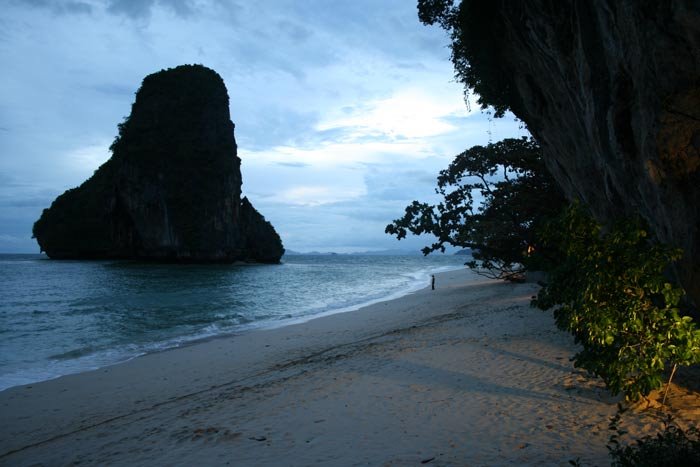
x: 610, y: 292
x: 673, y: 447
x: 516, y: 195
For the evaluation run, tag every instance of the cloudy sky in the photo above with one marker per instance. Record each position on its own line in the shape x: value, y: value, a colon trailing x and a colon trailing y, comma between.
x: 345, y: 110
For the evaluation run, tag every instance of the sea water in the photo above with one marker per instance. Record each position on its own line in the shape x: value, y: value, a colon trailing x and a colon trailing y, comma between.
x: 61, y: 317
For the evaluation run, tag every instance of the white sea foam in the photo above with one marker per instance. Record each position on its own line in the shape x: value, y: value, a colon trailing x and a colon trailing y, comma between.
x: 95, y: 314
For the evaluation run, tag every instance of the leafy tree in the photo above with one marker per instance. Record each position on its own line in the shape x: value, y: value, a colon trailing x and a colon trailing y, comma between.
x: 609, y: 290
x: 495, y: 197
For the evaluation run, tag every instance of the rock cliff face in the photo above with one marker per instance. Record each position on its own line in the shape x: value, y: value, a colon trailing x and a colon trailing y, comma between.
x: 172, y: 188
x: 611, y: 90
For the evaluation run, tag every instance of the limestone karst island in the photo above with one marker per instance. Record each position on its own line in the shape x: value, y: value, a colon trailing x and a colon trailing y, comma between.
x: 171, y: 190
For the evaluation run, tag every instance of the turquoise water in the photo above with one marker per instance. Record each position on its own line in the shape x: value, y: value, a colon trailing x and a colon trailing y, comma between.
x: 61, y: 317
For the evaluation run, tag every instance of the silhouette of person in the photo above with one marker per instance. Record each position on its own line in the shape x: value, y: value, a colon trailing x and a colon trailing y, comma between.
x: 432, y: 281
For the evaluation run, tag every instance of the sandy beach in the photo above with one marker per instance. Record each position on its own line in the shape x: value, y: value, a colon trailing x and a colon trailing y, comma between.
x: 468, y: 374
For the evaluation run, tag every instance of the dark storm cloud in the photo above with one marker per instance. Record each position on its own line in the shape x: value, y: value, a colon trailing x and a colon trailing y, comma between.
x: 376, y: 211
x: 113, y: 89
x: 134, y: 9
x: 6, y: 180
x: 359, y: 24
x: 330, y: 135
x: 390, y: 184
x: 59, y: 6
x: 293, y: 31
x: 411, y: 66
x: 296, y: 165
x: 141, y: 9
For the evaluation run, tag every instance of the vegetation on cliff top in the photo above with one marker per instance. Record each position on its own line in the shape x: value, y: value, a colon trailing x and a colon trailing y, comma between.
x: 477, y: 61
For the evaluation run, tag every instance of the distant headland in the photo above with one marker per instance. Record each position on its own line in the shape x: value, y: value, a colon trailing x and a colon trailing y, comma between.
x: 171, y: 190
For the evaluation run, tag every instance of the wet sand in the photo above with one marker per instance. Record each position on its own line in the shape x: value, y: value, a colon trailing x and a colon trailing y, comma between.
x: 468, y: 374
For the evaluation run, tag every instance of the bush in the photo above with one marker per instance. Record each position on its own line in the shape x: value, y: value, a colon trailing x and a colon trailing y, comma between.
x: 673, y: 447
x: 610, y: 292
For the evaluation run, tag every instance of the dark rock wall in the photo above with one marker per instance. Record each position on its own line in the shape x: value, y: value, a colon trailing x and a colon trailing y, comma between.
x: 172, y: 189
x: 611, y: 90
x: 262, y: 242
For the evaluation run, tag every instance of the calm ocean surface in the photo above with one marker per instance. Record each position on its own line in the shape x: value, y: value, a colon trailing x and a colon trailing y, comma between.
x: 61, y: 317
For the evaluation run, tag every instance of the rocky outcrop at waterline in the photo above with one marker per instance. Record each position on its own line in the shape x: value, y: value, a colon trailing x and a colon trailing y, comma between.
x: 171, y: 190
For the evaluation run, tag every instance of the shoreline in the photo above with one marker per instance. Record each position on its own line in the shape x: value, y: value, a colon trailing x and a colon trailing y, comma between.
x: 408, y: 290
x: 468, y: 373
x: 203, y: 336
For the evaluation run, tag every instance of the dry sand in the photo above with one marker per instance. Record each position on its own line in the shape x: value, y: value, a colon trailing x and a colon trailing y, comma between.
x: 467, y: 374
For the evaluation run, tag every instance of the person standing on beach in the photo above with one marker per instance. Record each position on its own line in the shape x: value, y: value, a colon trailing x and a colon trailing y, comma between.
x: 432, y: 281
